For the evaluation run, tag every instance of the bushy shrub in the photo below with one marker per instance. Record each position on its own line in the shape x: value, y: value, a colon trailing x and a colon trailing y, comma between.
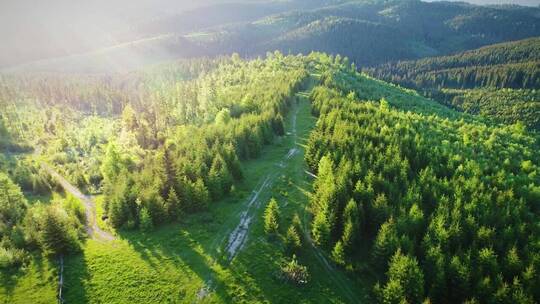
x: 294, y: 272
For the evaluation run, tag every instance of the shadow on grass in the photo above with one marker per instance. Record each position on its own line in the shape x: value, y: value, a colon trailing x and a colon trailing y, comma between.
x: 176, y: 245
x: 255, y: 271
x: 8, y: 280
x: 75, y: 277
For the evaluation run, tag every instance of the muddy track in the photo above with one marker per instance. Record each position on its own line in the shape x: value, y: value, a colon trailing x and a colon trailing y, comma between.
x: 238, y: 237
x: 92, y: 228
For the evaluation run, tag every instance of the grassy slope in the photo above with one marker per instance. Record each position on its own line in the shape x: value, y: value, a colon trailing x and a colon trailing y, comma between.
x: 35, y: 283
x: 184, y: 263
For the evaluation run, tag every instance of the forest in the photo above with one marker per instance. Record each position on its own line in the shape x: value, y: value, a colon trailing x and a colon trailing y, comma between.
x: 446, y: 208
x: 498, y: 81
x: 369, y: 33
x: 325, y: 151
x: 412, y: 200
x: 123, y: 138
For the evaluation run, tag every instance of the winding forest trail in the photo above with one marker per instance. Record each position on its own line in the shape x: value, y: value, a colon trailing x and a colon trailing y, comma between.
x: 92, y: 227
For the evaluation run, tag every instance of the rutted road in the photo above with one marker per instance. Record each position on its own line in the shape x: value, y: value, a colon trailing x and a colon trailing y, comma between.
x: 92, y: 228
x: 238, y: 237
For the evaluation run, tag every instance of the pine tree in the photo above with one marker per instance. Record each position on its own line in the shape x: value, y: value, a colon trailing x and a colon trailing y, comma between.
x: 271, y: 217
x: 351, y: 228
x: 145, y: 220
x: 292, y: 239
x: 405, y: 270
x: 386, y: 243
x: 320, y: 229
x: 173, y: 206
x: 56, y: 235
x: 200, y: 195
x: 338, y: 253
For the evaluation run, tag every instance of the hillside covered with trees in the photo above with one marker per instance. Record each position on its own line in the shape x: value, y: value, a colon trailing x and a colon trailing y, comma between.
x: 442, y: 206
x: 201, y: 170
x: 499, y: 81
x: 368, y: 32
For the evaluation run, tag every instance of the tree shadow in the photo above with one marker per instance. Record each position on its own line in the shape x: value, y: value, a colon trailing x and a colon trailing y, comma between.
x: 10, y: 278
x: 179, y: 246
x: 76, y: 275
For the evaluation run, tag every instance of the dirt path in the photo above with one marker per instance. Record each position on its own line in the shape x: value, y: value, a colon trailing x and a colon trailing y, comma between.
x: 92, y: 228
x: 238, y: 237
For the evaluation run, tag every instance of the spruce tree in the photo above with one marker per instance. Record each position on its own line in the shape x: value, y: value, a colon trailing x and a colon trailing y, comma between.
x: 271, y: 217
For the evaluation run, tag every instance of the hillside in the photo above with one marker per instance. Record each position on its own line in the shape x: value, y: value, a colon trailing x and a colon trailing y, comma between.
x: 499, y: 81
x: 367, y: 32
x: 288, y: 179
x: 425, y: 198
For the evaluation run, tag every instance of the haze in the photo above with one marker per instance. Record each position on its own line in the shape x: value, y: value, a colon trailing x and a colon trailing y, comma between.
x: 36, y: 30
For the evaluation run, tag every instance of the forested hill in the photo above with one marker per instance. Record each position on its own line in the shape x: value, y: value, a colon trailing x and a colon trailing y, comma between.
x: 505, y: 65
x: 368, y: 32
x: 439, y: 206
x: 499, y: 81
x: 415, y: 202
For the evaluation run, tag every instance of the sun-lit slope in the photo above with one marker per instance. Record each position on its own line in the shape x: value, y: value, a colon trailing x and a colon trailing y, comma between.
x: 434, y: 203
x: 119, y: 58
x: 191, y: 261
x: 188, y: 167
x: 498, y: 81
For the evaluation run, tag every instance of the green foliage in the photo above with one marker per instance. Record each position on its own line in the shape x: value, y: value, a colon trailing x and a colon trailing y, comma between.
x: 13, y: 206
x: 145, y: 220
x: 185, y: 127
x: 505, y: 105
x: 57, y: 234
x: 405, y: 272
x: 338, y: 253
x: 293, y: 242
x: 454, y: 192
x: 506, y: 65
x: 497, y: 81
x: 223, y: 117
x: 174, y: 207
x: 294, y: 272
x: 320, y: 229
x: 271, y: 217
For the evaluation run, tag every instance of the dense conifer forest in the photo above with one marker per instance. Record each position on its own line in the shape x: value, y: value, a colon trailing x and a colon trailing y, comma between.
x: 412, y: 200
x: 445, y: 207
x: 498, y: 81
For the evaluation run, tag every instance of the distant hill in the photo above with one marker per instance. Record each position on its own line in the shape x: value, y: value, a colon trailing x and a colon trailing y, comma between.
x: 368, y: 32
x: 500, y: 80
x: 487, y: 2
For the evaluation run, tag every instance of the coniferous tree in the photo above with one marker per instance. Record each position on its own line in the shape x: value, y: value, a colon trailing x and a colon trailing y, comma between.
x: 292, y: 239
x: 271, y: 217
x: 56, y: 234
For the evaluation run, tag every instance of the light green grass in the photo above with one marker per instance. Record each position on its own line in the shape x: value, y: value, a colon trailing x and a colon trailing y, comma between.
x: 35, y: 283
